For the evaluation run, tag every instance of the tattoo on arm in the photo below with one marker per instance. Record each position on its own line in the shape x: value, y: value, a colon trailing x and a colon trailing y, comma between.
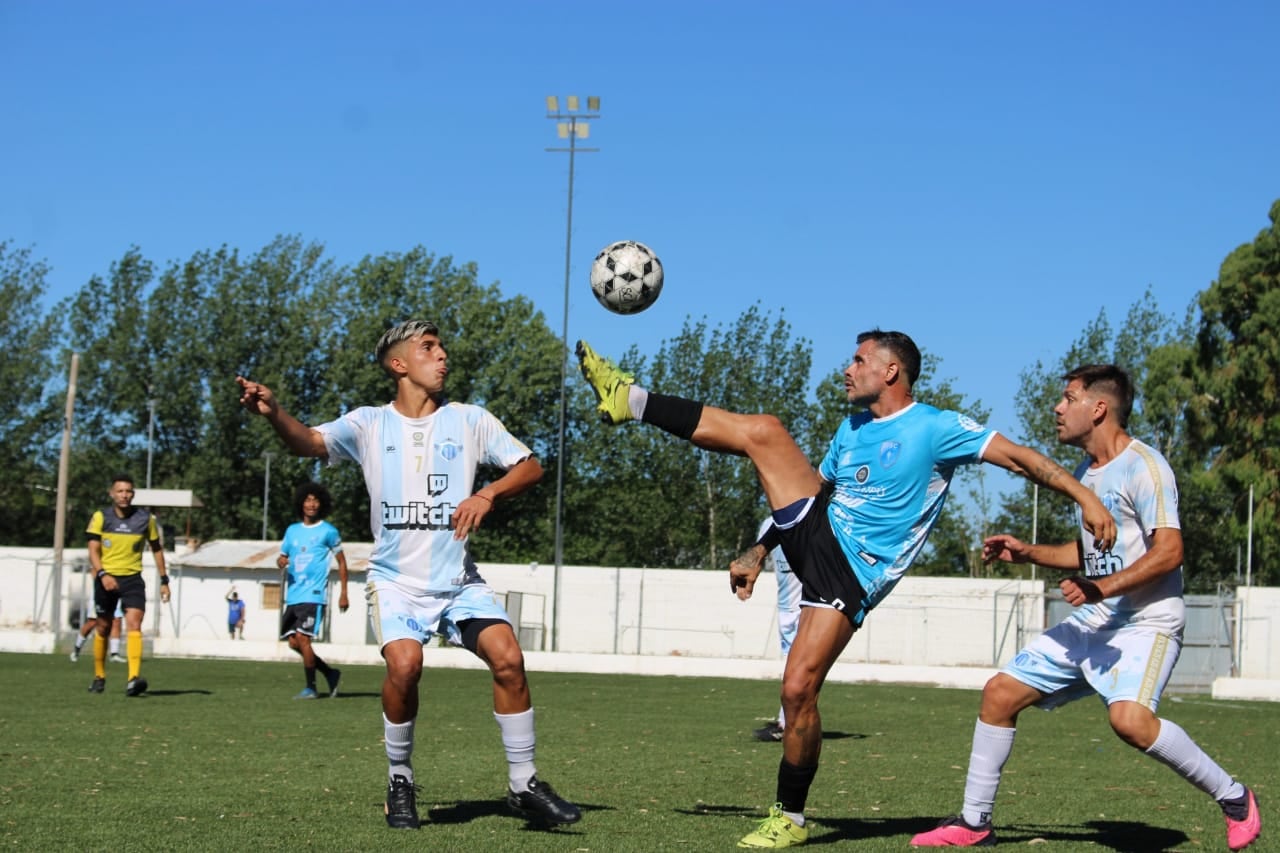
x: 1047, y: 472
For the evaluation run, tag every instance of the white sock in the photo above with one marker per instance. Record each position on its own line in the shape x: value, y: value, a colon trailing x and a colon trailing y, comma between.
x: 637, y: 399
x: 992, y: 746
x: 113, y: 645
x: 1175, y: 748
x: 519, y: 741
x: 782, y: 718
x: 399, y: 742
x: 80, y: 638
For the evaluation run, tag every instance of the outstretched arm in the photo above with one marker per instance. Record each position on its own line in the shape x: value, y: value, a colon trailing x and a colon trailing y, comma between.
x: 301, y: 440
x: 1010, y: 549
x: 1038, y: 468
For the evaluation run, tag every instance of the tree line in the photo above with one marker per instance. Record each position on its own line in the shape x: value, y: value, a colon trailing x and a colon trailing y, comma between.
x: 159, y: 348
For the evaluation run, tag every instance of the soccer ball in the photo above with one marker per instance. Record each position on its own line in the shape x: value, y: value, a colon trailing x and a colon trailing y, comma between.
x: 626, y: 277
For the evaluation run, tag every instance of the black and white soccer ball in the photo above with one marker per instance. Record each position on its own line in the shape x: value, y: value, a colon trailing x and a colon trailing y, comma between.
x: 626, y: 277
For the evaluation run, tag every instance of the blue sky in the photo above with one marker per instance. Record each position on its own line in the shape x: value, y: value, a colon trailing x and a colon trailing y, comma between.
x: 985, y: 176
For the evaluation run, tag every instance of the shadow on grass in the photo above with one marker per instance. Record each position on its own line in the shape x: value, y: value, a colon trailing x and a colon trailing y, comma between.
x: 1121, y: 836
x: 829, y: 736
x: 192, y: 692
x: 466, y: 811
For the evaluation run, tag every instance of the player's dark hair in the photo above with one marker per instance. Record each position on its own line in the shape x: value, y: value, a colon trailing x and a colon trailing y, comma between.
x: 319, y: 492
x: 121, y: 478
x: 1110, y: 380
x: 400, y: 333
x: 903, y: 349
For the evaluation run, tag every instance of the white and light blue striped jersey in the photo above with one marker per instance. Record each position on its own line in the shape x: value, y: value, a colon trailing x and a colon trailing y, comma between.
x: 310, y: 549
x: 1139, y: 490
x: 417, y: 471
x: 891, y: 477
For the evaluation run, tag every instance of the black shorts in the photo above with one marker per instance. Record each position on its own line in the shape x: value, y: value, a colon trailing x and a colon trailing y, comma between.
x: 826, y: 578
x: 301, y: 619
x: 130, y: 593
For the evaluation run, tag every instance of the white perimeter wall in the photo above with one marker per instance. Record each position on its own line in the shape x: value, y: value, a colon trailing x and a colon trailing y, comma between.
x: 636, y: 618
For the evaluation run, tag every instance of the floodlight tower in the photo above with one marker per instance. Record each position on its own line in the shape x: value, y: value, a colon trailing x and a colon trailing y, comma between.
x: 571, y: 124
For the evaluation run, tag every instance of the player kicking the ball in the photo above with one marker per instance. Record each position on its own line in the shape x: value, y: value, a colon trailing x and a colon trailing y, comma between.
x: 1124, y: 636
x: 850, y: 529
x: 419, y: 455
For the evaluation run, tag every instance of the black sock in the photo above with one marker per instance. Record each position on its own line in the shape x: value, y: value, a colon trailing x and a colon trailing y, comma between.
x: 677, y: 415
x: 311, y: 676
x: 793, y: 785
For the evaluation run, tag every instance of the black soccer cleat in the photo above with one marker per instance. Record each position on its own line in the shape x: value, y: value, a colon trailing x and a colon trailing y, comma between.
x: 401, y: 806
x: 769, y: 733
x: 98, y: 685
x: 540, y: 802
x: 136, y: 686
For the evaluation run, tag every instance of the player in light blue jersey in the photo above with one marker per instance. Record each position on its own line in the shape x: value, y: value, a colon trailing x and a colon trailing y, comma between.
x: 419, y: 455
x: 788, y: 620
x: 1122, y: 640
x: 849, y: 530
x: 309, y: 546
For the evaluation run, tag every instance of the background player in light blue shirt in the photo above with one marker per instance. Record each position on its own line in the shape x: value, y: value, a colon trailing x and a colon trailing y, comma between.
x: 848, y: 532
x: 309, y: 547
x: 1122, y: 640
x: 419, y: 456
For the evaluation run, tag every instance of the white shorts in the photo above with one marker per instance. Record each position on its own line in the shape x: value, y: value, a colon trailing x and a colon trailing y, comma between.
x: 789, y: 590
x: 1069, y: 662
x: 400, y: 614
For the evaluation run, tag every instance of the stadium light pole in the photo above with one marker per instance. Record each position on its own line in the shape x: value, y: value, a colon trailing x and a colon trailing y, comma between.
x: 266, y: 492
x: 151, y: 432
x: 571, y: 124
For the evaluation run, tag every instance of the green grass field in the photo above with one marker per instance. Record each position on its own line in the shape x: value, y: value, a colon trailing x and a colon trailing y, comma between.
x: 219, y: 757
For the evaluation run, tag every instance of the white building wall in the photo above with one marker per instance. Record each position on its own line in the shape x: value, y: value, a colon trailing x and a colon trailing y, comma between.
x: 653, y: 621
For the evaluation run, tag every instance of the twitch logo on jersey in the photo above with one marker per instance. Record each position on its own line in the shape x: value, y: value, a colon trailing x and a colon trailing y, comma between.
x: 418, y: 515
x: 421, y: 515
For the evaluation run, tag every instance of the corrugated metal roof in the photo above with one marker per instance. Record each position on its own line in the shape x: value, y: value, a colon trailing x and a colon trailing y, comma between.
x: 256, y: 554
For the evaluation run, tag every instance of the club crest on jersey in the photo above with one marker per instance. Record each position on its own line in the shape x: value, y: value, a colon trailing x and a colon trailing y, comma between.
x: 889, y: 452
x: 449, y: 450
x: 862, y: 474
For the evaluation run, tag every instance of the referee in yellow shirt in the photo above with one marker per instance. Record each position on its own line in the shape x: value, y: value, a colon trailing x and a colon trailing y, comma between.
x: 117, y: 535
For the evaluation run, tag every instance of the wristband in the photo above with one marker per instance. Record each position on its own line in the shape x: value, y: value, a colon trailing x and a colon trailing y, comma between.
x: 100, y: 573
x: 164, y: 580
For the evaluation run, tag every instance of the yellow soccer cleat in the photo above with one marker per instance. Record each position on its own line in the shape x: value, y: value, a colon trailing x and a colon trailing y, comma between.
x: 775, y: 832
x: 609, y: 382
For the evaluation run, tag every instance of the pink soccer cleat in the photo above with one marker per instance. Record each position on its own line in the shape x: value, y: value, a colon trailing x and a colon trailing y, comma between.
x: 954, y: 832
x: 1241, y: 833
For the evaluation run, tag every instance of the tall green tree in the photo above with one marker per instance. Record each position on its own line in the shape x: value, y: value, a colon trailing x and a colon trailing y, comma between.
x: 1234, y: 415
x: 29, y: 421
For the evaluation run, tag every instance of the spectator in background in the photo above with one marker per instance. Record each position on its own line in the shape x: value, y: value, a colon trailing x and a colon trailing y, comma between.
x: 235, y: 614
